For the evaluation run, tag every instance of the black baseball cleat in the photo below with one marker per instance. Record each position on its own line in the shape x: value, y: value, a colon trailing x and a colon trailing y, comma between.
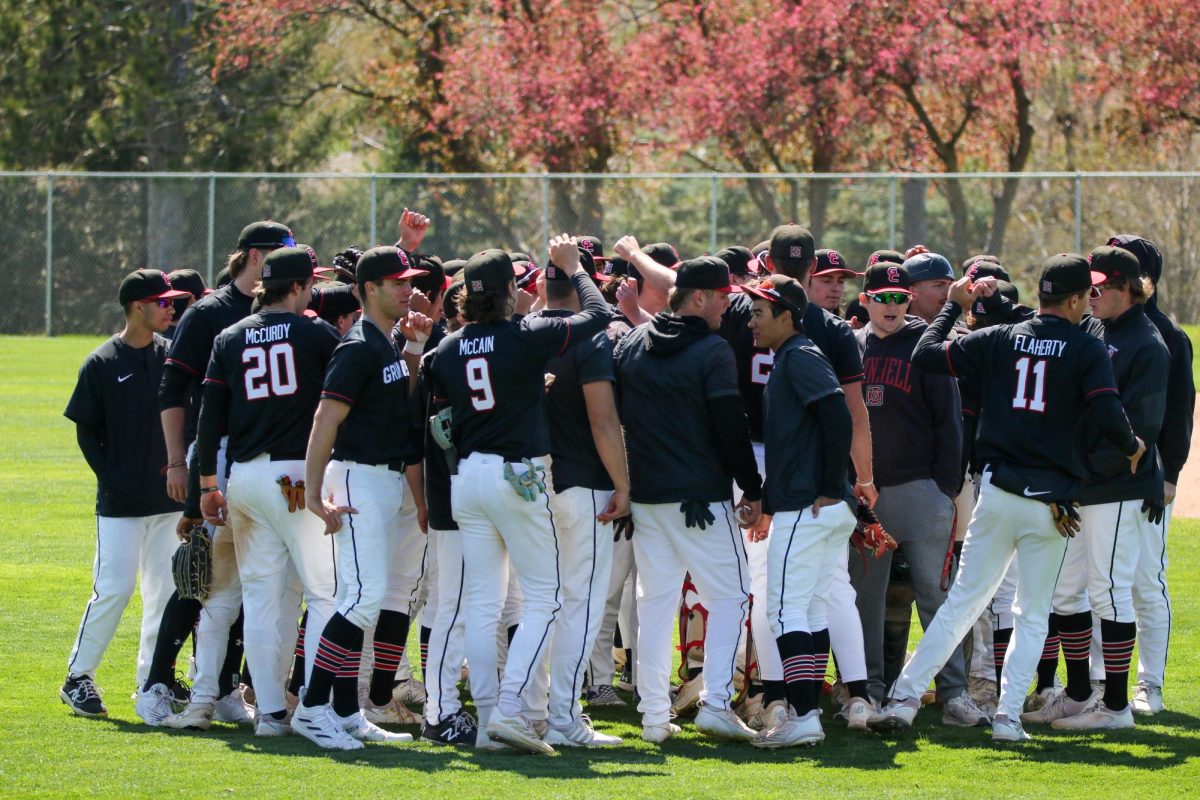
x: 80, y: 693
x: 457, y: 729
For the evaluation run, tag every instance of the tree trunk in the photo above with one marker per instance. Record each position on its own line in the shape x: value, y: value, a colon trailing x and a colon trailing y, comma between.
x: 915, y: 217
x: 166, y: 201
x: 960, y: 215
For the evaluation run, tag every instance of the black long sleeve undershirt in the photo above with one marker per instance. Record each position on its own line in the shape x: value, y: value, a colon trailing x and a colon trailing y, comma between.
x: 732, y: 433
x: 837, y: 431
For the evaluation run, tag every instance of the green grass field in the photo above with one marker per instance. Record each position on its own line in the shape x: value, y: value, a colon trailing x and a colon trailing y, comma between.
x: 46, y: 551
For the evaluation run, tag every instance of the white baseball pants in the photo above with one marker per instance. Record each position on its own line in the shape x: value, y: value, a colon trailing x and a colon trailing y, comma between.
x: 805, y: 552
x: 602, y: 667
x: 1098, y: 571
x: 665, y: 550
x: 1152, y: 602
x: 448, y: 623
x: 1003, y: 524
x: 125, y: 546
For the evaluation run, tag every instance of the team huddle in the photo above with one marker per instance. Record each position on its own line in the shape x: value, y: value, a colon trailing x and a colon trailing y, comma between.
x: 552, y: 466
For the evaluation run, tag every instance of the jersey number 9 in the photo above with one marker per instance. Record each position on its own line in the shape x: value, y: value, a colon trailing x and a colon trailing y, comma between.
x: 270, y: 372
x: 480, y: 382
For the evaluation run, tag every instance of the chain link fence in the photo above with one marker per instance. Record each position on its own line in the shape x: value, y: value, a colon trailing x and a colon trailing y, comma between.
x: 70, y: 237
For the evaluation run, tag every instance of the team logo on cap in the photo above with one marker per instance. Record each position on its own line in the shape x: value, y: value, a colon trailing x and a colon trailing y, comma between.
x: 796, y: 251
x: 266, y: 273
x: 893, y: 275
x: 586, y: 244
x: 979, y: 309
x: 551, y: 273
x: 477, y: 286
x: 312, y: 256
x: 403, y: 258
x: 1047, y: 287
x: 834, y: 259
x: 873, y: 260
x: 608, y: 268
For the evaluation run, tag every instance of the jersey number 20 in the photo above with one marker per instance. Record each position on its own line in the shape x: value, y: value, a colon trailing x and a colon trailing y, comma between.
x: 1021, y: 399
x: 480, y: 382
x: 270, y: 372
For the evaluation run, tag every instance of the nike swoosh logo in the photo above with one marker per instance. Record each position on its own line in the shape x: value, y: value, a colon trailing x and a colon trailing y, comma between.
x: 1034, y: 494
x: 123, y: 378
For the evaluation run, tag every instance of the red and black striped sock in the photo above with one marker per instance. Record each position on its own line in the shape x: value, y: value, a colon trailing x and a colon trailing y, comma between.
x: 1048, y: 664
x: 345, y: 685
x: 424, y: 637
x: 1117, y: 640
x: 1000, y: 639
x: 340, y: 638
x: 1075, y: 636
x: 796, y: 650
x: 297, y: 679
x: 391, y: 633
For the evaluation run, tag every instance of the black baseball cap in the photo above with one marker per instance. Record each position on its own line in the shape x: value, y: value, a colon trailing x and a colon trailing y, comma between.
x: 663, y: 253
x: 334, y: 301
x: 928, y: 267
x: 609, y: 268
x: 554, y: 272
x: 1002, y: 303
x: 830, y: 262
x: 488, y: 271
x: 886, y: 277
x: 977, y: 267
x: 288, y: 264
x: 147, y: 284
x: 266, y: 234
x: 890, y: 256
x: 434, y: 279
x: 1115, y: 263
x: 1067, y: 273
x: 781, y: 290
x: 1144, y: 250
x: 592, y: 246
x: 739, y: 259
x: 224, y: 278
x: 453, y: 266
x: 856, y: 310
x: 450, y: 299
x: 187, y: 280
x: 386, y: 263
x: 793, y: 243
x: 705, y: 272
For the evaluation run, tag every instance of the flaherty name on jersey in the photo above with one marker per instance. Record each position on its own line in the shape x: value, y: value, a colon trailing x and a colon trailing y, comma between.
x: 1052, y: 348
x: 268, y: 333
x: 476, y: 346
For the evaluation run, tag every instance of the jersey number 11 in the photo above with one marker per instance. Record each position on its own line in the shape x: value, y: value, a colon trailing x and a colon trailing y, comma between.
x: 1022, y: 400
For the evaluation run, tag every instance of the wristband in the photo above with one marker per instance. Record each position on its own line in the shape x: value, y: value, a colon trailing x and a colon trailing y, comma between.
x: 414, y: 348
x: 208, y: 489
x: 177, y: 464
x: 865, y: 483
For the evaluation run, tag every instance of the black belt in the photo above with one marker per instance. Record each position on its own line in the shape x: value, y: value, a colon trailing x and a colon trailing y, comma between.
x: 286, y: 456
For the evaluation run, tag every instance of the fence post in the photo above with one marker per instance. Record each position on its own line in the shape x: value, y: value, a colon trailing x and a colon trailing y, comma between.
x: 374, y: 210
x: 891, y: 218
x: 1078, y: 211
x: 545, y: 218
x: 212, y: 217
x: 49, y: 253
x: 712, y: 213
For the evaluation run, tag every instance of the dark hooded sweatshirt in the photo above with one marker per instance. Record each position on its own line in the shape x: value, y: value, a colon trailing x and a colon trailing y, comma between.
x: 916, y: 418
x: 686, y: 428
x: 1175, y: 438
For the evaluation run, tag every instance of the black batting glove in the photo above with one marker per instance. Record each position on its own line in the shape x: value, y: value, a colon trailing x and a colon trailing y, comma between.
x: 696, y: 514
x: 1066, y: 517
x: 623, y: 525
x: 1154, y: 509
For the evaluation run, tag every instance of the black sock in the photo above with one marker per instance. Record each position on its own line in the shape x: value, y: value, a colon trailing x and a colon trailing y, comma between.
x: 772, y: 691
x: 1000, y: 639
x: 1075, y: 636
x: 820, y: 663
x: 858, y: 689
x: 297, y: 679
x: 796, y: 651
x: 754, y: 689
x: 424, y: 638
x: 512, y: 631
x: 617, y: 641
x: 231, y: 671
x: 1117, y: 639
x: 178, y: 622
x: 391, y: 632
x: 1048, y: 664
x: 340, y: 638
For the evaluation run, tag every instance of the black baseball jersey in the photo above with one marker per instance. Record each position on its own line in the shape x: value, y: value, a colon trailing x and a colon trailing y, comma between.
x: 437, y: 469
x: 493, y: 374
x: 368, y: 373
x: 198, y: 329
x: 795, y: 453
x: 263, y: 384
x: 115, y: 400
x: 576, y: 461
x: 1036, y: 381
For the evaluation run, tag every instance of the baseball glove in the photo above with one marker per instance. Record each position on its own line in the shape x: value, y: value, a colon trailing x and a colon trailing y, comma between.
x: 869, y: 533
x: 191, y: 565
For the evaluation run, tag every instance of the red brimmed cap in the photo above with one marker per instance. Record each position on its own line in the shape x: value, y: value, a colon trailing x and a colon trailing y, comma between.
x: 147, y: 284
x: 386, y: 263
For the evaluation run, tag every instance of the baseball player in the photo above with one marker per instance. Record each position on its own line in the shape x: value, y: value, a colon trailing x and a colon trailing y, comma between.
x: 1098, y: 574
x: 591, y: 489
x: 826, y: 282
x: 492, y: 372
x: 918, y: 468
x: 262, y: 386
x: 929, y: 276
x: 1037, y: 382
x: 135, y: 519
x: 362, y: 440
x: 683, y: 457
x: 807, y: 493
x: 184, y: 280
x: 1151, y: 600
x: 215, y: 688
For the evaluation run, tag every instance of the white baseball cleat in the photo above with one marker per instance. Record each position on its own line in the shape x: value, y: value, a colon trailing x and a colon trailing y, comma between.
x: 898, y: 715
x: 1098, y: 717
x: 267, y: 727
x: 409, y: 692
x: 1004, y: 730
x: 722, y: 723
x: 358, y: 726
x: 1147, y: 699
x: 232, y: 708
x: 857, y: 712
x: 580, y: 734
x: 961, y: 712
x: 198, y: 715
x: 1039, y: 699
x: 317, y: 724
x: 516, y: 732
x: 796, y: 731
x: 1059, y: 707
x: 393, y: 713
x: 154, y: 705
x: 657, y: 734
